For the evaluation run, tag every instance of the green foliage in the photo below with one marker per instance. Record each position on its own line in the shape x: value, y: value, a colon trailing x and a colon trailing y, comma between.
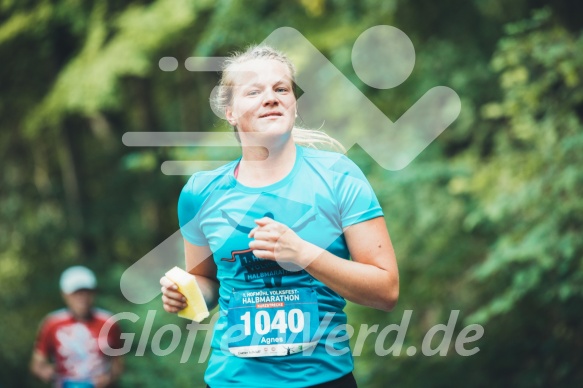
x: 533, y: 168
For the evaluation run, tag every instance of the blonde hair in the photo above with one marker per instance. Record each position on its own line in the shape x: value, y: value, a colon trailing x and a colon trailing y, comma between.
x: 223, y: 98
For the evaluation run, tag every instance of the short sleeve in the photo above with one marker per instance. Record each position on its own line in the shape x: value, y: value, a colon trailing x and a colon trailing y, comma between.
x: 189, y: 204
x: 357, y: 201
x: 43, y: 342
x: 114, y: 339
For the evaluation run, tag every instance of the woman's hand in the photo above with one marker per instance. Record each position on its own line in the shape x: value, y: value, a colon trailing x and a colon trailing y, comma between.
x: 172, y: 300
x: 275, y: 241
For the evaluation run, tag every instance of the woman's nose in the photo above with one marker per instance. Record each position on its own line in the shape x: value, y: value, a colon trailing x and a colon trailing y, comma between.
x: 269, y: 97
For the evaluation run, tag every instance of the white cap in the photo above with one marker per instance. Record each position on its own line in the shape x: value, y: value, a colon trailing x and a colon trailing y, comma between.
x: 77, y: 278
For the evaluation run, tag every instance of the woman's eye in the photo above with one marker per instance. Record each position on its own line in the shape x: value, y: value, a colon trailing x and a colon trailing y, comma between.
x: 253, y: 92
x: 281, y: 90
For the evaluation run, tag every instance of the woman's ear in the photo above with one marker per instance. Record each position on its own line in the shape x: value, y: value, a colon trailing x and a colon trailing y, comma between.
x: 230, y: 118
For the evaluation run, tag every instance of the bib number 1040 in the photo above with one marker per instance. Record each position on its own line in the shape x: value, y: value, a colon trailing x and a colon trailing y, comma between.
x: 294, y: 321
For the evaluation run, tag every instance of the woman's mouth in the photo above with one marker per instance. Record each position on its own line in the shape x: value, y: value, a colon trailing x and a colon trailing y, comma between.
x: 271, y: 114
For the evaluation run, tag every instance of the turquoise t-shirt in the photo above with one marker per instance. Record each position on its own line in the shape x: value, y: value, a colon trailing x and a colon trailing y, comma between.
x: 324, y: 193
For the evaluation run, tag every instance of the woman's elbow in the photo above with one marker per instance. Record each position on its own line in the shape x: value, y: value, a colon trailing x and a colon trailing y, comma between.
x: 390, y: 297
x: 389, y: 302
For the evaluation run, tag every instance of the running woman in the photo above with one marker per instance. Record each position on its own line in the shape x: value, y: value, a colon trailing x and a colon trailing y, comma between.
x: 280, y: 238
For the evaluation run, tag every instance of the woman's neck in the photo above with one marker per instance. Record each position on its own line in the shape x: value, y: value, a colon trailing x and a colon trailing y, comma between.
x: 260, y: 166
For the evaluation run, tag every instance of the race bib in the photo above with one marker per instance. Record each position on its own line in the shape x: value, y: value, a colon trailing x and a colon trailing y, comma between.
x: 272, y: 322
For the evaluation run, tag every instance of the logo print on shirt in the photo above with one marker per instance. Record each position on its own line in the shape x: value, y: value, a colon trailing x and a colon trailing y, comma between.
x: 295, y: 214
x: 80, y: 352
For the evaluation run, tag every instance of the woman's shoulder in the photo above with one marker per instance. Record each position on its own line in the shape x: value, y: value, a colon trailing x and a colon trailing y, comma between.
x: 200, y: 187
x: 330, y: 160
x: 202, y: 181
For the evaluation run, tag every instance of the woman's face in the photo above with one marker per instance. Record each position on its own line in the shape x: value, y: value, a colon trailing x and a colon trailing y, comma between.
x: 263, y: 99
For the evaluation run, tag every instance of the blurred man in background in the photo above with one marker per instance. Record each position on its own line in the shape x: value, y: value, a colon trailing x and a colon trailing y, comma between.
x: 67, y: 351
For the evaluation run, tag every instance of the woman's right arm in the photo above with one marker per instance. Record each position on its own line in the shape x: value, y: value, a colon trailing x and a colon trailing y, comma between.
x: 200, y: 263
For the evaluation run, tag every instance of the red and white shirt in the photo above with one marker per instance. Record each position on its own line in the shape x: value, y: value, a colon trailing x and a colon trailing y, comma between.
x: 74, y: 345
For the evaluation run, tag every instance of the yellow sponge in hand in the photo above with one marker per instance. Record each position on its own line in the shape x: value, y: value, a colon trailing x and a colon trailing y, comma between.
x: 187, y: 286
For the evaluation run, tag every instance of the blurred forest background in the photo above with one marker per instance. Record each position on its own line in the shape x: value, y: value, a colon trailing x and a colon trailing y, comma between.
x: 487, y: 220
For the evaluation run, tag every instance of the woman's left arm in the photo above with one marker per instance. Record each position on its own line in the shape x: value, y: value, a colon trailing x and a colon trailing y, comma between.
x: 370, y: 279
